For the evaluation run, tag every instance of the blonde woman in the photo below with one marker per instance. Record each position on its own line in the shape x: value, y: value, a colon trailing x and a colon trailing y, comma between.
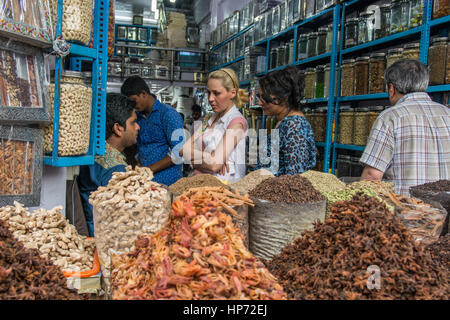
x: 218, y: 146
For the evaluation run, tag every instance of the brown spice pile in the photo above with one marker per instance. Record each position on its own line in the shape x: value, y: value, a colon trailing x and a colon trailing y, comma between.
x: 440, y: 251
x: 287, y: 189
x: 437, y: 186
x: 331, y: 261
x: 24, y: 275
x: 201, y: 180
x: 251, y: 180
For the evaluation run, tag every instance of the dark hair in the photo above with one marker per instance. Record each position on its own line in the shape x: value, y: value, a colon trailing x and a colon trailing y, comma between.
x: 119, y: 109
x: 134, y: 85
x: 196, y: 108
x: 407, y: 76
x: 281, y: 84
x: 182, y: 115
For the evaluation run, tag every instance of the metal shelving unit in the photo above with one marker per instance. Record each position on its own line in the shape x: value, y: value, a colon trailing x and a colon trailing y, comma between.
x: 422, y: 32
x: 99, y: 57
x: 148, y: 42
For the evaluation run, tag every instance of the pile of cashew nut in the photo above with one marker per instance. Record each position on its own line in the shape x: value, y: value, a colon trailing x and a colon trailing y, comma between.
x: 130, y: 205
x: 77, y: 19
x: 52, y: 235
x: 74, y: 120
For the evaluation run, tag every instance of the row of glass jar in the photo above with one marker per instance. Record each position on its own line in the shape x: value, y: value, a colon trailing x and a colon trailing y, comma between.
x: 121, y: 50
x: 132, y: 33
x: 399, y: 16
x: 231, y: 50
x: 439, y: 61
x: 315, y: 43
x: 317, y: 81
x: 283, y: 55
x: 318, y: 121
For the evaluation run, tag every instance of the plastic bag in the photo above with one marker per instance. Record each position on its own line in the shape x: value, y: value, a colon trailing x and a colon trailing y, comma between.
x: 274, y: 225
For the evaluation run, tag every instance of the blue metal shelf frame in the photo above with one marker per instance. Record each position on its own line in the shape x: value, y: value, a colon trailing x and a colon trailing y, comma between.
x: 232, y: 38
x: 423, y: 31
x: 100, y: 59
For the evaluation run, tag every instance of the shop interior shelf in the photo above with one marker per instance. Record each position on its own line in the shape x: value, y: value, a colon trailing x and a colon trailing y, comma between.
x: 321, y: 144
x: 373, y: 96
x: 439, y: 88
x: 315, y: 58
x: 440, y: 21
x: 232, y: 37
x: 349, y: 147
x: 316, y: 100
x: 82, y: 51
x: 227, y: 64
x: 69, y: 161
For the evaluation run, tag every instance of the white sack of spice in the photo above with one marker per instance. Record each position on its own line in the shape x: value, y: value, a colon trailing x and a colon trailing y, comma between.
x: 130, y: 205
x: 52, y: 234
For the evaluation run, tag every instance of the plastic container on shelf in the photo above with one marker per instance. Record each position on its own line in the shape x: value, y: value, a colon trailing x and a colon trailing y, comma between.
x: 393, y: 55
x: 76, y: 20
x: 361, y: 126
x: 310, y: 8
x: 322, y: 40
x: 366, y: 25
x: 291, y: 51
x: 320, y: 82
x: 74, y: 115
x: 411, y: 51
x: 399, y: 16
x: 437, y: 60
x: 329, y: 41
x: 302, y: 9
x: 320, y: 119
x: 348, y: 78
x: 346, y: 123
x: 302, y: 47
x: 283, y: 16
x: 329, y: 3
x: 273, y: 58
x: 276, y: 19
x: 257, y: 28
x: 269, y: 23
x: 132, y: 33
x: 312, y: 44
x: 362, y: 75
x: 280, y: 56
x: 383, y: 26
x: 121, y: 32
x: 320, y: 5
x: 310, y: 75
x: 416, y: 9
x: 377, y: 65
x: 289, y: 12
x: 326, y: 86
x: 351, y: 32
x: 374, y: 112
x: 441, y: 8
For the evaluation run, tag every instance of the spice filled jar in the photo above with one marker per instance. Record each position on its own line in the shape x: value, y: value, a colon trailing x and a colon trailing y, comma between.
x: 348, y: 78
x: 411, y: 51
x: 329, y: 38
x: 312, y: 44
x: 280, y: 56
x: 320, y: 82
x: 351, y: 32
x: 362, y: 75
x: 366, y: 26
x: 326, y: 83
x: 448, y: 64
x: 377, y: 65
x: 416, y: 8
x: 346, y: 116
x: 437, y: 61
x: 320, y: 118
x: 441, y: 8
x: 291, y: 51
x: 374, y: 112
x: 320, y: 5
x: 302, y: 47
x: 361, y: 126
x: 310, y: 8
x: 385, y: 22
x: 322, y: 40
x: 273, y: 58
x: 310, y: 79
x: 393, y: 55
x: 399, y: 15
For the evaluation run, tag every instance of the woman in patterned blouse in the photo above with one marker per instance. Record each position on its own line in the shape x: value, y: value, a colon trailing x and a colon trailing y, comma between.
x: 279, y: 95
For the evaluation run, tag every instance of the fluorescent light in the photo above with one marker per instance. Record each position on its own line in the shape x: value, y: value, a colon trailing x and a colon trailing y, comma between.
x: 173, y: 1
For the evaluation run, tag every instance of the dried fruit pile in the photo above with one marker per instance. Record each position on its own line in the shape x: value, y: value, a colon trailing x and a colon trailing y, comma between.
x: 199, y: 255
x: 440, y: 251
x: 24, y: 275
x: 331, y: 261
x: 201, y: 180
x: 251, y: 180
x: 287, y: 189
x: 437, y: 186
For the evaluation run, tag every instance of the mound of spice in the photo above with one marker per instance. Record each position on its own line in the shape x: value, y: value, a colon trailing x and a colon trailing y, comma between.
x: 251, y: 180
x: 287, y: 189
x: 332, y: 261
x: 199, y: 255
x: 201, y: 180
x: 25, y: 275
x: 440, y: 251
x: 380, y: 187
x: 324, y: 182
x: 437, y: 186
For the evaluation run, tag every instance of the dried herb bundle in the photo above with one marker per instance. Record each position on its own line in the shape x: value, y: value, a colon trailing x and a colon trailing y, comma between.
x: 331, y: 261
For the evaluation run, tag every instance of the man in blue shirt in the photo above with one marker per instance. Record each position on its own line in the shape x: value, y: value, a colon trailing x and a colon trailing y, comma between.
x: 161, y: 132
x: 121, y: 131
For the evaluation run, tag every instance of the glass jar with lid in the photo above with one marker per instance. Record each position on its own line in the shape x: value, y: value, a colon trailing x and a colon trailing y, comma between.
x: 273, y: 58
x: 362, y: 75
x: 348, y: 77
x: 326, y: 86
x: 399, y: 15
x: 377, y: 65
x: 276, y: 19
x: 132, y: 33
x: 121, y: 32
x: 310, y: 79
x: 361, y: 126
x: 411, y: 51
x: 346, y: 115
x: 320, y: 119
x: 393, y: 55
x: 322, y: 40
x: 374, y: 112
x: 384, y: 25
x: 320, y: 82
x: 320, y: 5
x: 291, y: 51
x: 283, y: 16
x: 441, y: 8
x: 351, y: 32
x: 366, y: 26
x: 310, y: 8
x: 312, y: 44
x: 302, y: 47
x: 416, y: 8
x: 329, y: 38
x: 269, y: 23
x: 437, y: 60
x: 329, y: 3
x: 280, y: 56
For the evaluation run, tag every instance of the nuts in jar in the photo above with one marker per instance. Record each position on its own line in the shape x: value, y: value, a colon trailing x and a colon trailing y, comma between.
x: 348, y: 77
x: 437, y: 55
x: 346, y: 116
x: 361, y: 122
x: 377, y: 65
x: 411, y: 51
x: 362, y: 75
x: 393, y: 55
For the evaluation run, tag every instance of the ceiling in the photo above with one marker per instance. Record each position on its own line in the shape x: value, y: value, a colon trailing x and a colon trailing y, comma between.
x: 180, y: 4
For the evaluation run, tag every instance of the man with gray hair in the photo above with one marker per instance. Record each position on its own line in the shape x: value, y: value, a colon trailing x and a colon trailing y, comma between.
x: 410, y: 142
